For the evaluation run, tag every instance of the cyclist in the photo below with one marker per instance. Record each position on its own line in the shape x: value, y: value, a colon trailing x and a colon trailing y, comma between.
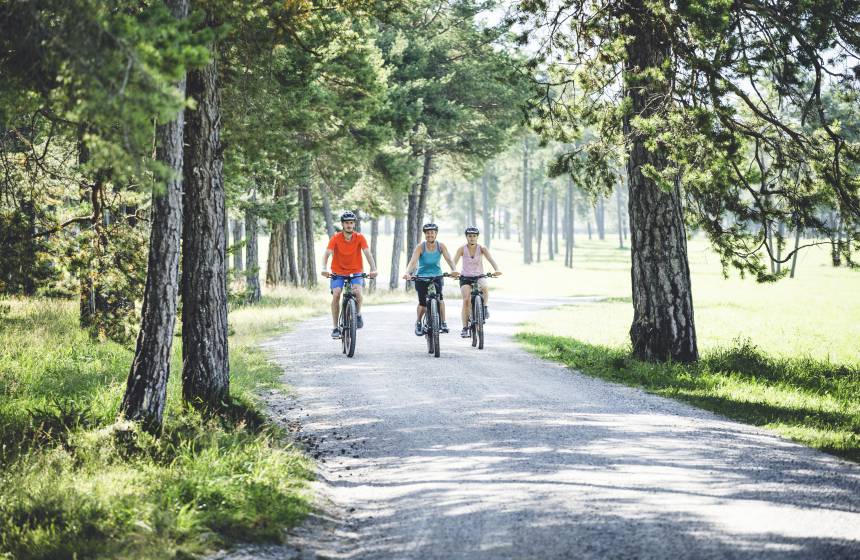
x: 426, y: 257
x: 473, y: 266
x: 346, y: 246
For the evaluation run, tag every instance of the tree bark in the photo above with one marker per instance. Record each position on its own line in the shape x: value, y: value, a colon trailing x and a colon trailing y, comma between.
x: 310, y: 257
x: 146, y: 387
x: 238, y: 235
x: 301, y: 243
x: 620, y: 217
x: 274, y: 265
x: 551, y: 216
x: 397, y: 247
x: 374, y: 239
x: 569, y: 226
x: 507, y: 224
x: 663, y: 326
x: 526, y: 219
x: 473, y: 218
x: 252, y: 273
x: 796, y: 245
x: 487, y: 211
x: 541, y: 204
x: 206, y: 371
x: 329, y: 220
x: 599, y: 219
x: 290, y: 243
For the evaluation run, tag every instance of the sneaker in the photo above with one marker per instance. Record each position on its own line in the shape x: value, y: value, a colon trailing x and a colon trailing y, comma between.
x: 465, y: 333
x: 419, y: 329
x: 486, y: 313
x: 335, y: 333
x: 359, y: 322
x: 443, y: 327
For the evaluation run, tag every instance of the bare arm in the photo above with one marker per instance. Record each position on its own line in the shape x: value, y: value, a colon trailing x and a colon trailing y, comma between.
x: 447, y: 256
x: 457, y: 256
x: 326, y: 255
x: 490, y: 258
x: 369, y: 256
x: 413, y: 262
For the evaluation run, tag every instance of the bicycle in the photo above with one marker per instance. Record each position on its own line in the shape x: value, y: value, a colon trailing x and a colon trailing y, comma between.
x: 432, y: 322
x: 347, y: 323
x: 476, y: 311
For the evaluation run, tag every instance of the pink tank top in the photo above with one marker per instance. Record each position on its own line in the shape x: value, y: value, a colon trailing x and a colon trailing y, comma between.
x: 472, y: 266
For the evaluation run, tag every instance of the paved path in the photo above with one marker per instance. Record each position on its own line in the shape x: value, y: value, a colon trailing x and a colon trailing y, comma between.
x: 498, y: 454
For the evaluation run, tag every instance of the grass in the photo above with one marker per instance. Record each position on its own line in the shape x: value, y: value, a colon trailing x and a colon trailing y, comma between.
x: 74, y: 484
x: 784, y: 356
x: 810, y: 401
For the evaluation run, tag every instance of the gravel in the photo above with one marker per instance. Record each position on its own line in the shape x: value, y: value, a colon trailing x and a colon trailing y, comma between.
x: 498, y: 454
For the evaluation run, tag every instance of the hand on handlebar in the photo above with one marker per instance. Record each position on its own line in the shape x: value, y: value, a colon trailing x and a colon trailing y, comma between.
x: 326, y: 273
x: 454, y: 274
x: 497, y: 273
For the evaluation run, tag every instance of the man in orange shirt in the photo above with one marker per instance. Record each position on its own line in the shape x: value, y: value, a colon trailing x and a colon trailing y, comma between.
x: 346, y: 246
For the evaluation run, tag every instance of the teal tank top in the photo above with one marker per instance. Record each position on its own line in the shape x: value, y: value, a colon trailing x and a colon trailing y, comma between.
x: 428, y: 263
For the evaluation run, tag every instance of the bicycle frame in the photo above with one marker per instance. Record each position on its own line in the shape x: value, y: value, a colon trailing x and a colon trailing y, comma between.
x: 346, y: 320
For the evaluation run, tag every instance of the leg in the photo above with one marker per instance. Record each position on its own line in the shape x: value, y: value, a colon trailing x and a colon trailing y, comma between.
x: 420, y: 311
x: 466, y: 291
x: 356, y: 289
x: 335, y: 305
x: 442, y: 310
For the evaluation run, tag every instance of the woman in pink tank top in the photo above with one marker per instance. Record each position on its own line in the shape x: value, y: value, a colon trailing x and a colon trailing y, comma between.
x: 473, y: 255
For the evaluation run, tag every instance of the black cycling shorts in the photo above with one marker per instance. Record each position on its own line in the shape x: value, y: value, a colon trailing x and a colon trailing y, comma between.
x: 421, y: 287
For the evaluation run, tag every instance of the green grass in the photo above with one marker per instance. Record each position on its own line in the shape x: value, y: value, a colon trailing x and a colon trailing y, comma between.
x: 74, y: 483
x: 784, y: 355
x: 810, y: 401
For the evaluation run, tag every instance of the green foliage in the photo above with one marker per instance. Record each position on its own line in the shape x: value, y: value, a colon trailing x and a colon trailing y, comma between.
x: 74, y: 482
x: 810, y: 401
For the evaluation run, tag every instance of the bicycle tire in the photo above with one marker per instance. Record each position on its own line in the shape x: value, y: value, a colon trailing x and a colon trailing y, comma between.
x: 435, y: 326
x: 428, y: 332
x: 350, y: 328
x: 342, y: 326
x: 479, y: 321
x: 473, y: 322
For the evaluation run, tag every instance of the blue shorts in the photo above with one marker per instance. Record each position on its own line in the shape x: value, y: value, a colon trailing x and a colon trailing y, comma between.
x: 339, y: 281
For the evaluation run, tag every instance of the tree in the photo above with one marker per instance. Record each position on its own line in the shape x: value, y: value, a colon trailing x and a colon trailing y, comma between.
x: 690, y: 78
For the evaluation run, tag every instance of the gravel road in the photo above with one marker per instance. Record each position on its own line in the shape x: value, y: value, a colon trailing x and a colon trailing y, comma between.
x: 498, y: 454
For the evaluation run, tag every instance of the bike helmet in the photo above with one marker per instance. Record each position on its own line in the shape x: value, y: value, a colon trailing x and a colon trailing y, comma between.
x: 472, y: 229
x: 430, y: 226
x: 347, y: 216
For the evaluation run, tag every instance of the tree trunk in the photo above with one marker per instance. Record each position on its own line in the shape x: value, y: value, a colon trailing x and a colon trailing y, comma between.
x: 252, y: 272
x: 412, y: 226
x: 620, y: 217
x: 274, y: 264
x: 397, y: 247
x: 600, y: 219
x: 507, y: 224
x: 310, y: 254
x: 526, y: 220
x: 301, y: 244
x: 422, y: 195
x: 206, y: 371
x: 588, y: 225
x: 487, y: 212
x: 663, y: 326
x: 329, y: 219
x: 473, y: 218
x: 290, y: 242
x: 146, y: 387
x: 541, y: 195
x: 780, y: 240
x: 569, y: 225
x: 374, y: 238
x: 551, y: 216
x: 387, y: 225
x: 796, y: 245
x: 238, y: 235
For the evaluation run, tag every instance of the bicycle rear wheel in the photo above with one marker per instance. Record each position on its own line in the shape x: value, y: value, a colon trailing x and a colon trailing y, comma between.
x: 478, y: 312
x: 434, y: 326
x: 350, y: 329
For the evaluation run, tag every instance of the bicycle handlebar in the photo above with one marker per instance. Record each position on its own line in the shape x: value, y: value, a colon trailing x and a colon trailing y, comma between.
x: 484, y: 275
x: 349, y: 276
x: 445, y: 274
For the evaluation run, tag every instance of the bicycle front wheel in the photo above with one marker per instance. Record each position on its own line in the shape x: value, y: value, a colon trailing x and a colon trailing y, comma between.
x: 479, y: 321
x: 350, y: 329
x: 434, y: 325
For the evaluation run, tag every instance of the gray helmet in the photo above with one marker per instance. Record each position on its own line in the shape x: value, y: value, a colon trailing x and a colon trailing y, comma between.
x: 430, y: 227
x: 347, y: 216
x: 472, y: 229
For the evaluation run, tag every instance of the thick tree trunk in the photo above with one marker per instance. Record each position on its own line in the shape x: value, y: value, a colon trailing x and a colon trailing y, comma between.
x: 397, y: 247
x: 146, y: 387
x: 329, y: 220
x: 206, y: 371
x: 238, y: 236
x: 301, y: 245
x: 252, y: 273
x: 663, y: 326
x: 274, y: 265
x: 310, y: 254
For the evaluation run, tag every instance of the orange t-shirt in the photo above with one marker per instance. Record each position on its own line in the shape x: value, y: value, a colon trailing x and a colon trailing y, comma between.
x: 347, y: 254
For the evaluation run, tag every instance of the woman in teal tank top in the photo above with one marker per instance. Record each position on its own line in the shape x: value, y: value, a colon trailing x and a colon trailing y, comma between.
x: 427, y: 258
